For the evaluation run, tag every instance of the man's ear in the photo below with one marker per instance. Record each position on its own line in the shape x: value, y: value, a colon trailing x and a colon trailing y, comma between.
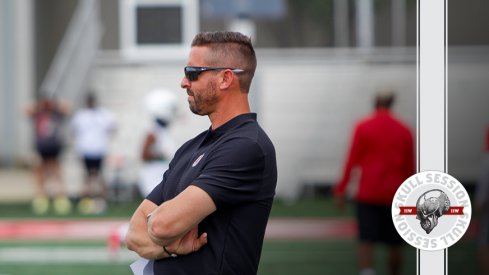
x: 227, y: 79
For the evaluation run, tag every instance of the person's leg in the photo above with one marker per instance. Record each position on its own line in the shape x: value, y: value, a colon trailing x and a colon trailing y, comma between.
x: 98, y: 179
x: 40, y: 202
x: 395, y: 259
x: 365, y: 258
x: 62, y: 204
x: 484, y: 260
x: 92, y: 177
x: 86, y: 203
x: 55, y: 172
x: 99, y: 186
x: 483, y: 240
x: 99, y: 189
x: 94, y: 196
x: 367, y: 229
x: 86, y: 191
x: 392, y: 239
x: 40, y: 174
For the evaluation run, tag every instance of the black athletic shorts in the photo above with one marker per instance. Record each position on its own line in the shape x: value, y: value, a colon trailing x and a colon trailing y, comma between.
x: 49, y: 152
x: 375, y: 224
x: 93, y: 164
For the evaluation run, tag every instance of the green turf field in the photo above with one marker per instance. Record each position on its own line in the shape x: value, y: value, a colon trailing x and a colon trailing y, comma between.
x: 302, y: 208
x: 336, y: 257
x: 278, y: 257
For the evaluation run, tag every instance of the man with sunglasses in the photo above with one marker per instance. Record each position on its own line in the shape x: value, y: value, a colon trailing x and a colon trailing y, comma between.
x: 209, y: 213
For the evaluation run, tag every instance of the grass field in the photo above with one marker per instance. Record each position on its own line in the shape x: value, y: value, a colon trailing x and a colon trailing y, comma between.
x: 278, y: 257
x: 335, y: 257
x: 303, y: 208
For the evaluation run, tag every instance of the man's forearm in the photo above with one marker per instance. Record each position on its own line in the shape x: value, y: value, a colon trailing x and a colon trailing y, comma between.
x: 158, y: 239
x: 138, y: 240
x: 174, y: 218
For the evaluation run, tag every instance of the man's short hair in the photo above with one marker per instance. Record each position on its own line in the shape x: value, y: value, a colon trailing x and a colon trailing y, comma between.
x: 384, y: 99
x: 230, y: 50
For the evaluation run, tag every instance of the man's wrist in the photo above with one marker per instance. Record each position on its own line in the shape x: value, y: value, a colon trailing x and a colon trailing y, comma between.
x: 170, y: 254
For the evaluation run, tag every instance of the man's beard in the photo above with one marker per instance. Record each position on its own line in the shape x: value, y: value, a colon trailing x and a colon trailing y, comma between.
x: 203, y: 101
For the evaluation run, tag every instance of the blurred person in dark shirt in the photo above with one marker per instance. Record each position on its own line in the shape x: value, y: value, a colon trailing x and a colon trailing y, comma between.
x: 48, y: 116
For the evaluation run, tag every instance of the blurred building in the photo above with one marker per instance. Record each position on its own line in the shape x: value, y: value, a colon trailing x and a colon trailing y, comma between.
x: 320, y: 62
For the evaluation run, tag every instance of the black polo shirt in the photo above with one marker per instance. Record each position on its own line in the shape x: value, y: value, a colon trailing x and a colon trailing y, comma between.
x: 235, y: 164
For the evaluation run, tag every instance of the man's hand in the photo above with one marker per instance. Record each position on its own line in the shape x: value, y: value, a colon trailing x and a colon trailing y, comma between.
x: 339, y: 201
x: 188, y: 243
x: 137, y: 238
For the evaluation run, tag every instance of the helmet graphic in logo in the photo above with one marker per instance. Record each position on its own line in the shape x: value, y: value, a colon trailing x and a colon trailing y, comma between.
x: 430, y: 206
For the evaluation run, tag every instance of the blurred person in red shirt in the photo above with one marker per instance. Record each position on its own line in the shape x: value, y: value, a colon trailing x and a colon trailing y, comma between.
x: 383, y: 149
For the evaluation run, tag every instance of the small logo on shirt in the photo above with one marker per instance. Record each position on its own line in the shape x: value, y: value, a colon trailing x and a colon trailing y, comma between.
x: 431, y: 210
x: 197, y: 160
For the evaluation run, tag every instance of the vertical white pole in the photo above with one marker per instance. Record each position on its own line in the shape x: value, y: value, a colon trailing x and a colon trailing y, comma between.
x: 432, y: 108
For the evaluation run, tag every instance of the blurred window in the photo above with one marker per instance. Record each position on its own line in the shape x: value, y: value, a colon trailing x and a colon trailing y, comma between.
x: 157, y: 29
x: 159, y: 25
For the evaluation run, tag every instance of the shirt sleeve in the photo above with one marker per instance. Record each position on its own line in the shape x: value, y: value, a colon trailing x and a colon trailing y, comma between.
x: 156, y: 196
x: 233, y: 173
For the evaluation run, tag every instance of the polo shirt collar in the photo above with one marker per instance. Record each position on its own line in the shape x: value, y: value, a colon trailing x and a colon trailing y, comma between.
x: 234, y: 122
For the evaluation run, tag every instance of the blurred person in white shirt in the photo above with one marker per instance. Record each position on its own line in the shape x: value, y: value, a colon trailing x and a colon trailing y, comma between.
x: 158, y: 145
x: 92, y: 127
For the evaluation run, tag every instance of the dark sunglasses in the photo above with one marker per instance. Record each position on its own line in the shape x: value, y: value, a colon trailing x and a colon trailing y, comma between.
x: 192, y: 72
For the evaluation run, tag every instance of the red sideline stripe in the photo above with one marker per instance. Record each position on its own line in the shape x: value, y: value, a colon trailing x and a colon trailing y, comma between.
x: 57, y: 229
x: 98, y: 229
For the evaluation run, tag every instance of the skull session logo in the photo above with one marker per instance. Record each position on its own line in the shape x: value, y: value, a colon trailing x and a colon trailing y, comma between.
x: 428, y: 210
x: 431, y: 210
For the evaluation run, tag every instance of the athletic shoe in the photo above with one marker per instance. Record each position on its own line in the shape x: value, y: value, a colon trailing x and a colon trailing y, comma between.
x: 62, y: 206
x: 40, y: 205
x: 86, y: 206
x: 100, y: 206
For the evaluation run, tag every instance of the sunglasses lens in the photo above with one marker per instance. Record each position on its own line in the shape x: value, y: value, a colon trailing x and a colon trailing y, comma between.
x: 191, y: 73
x: 192, y: 76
